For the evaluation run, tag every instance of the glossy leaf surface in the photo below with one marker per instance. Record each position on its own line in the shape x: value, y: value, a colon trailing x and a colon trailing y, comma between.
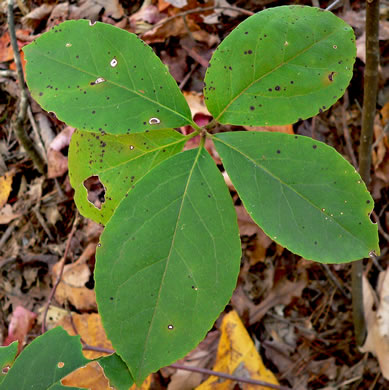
x: 302, y: 193
x: 118, y: 161
x: 116, y: 371
x: 44, y: 362
x: 279, y: 65
x: 101, y: 78
x: 167, y: 263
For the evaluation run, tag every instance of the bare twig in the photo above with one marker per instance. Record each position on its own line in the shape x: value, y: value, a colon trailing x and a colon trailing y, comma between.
x: 368, y: 115
x: 188, y: 75
x: 37, y: 133
x: 335, y: 281
x: 380, y: 229
x: 51, y: 296
x: 20, y: 132
x: 42, y: 221
x: 87, y: 347
x: 7, y: 234
x: 333, y: 4
x: 228, y: 376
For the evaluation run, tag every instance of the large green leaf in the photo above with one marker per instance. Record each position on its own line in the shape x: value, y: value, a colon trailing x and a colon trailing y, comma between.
x: 44, y: 362
x: 302, y: 193
x: 118, y: 161
x: 280, y: 65
x: 167, y: 262
x: 7, y: 356
x: 116, y: 371
x: 98, y: 77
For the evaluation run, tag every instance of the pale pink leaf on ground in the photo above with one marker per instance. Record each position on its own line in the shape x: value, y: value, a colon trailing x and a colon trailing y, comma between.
x: 57, y: 163
x: 21, y: 323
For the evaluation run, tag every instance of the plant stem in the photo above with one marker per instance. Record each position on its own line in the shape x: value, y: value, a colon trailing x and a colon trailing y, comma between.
x: 368, y: 115
x: 20, y: 132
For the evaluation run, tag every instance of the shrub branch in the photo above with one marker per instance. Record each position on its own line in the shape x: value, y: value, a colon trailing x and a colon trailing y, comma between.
x: 368, y: 115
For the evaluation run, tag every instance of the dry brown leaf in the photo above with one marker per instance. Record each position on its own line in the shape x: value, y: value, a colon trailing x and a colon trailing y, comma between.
x: 385, y: 113
x: 91, y: 330
x: 238, y: 356
x: 53, y: 317
x: 213, y: 18
x: 57, y: 163
x: 6, y: 52
x: 199, y: 357
x: 142, y: 20
x: 196, y: 103
x: 242, y: 303
x: 162, y: 5
x: 247, y: 227
x: 176, y: 63
x: 178, y: 3
x: 173, y: 28
x: 377, y: 341
x: 72, y: 286
x: 90, y: 9
x: 287, y: 129
x: 379, y: 152
x: 5, y: 187
x: 282, y: 292
x: 59, y: 14
x: 37, y: 15
x: 7, y: 214
x: 205, y: 37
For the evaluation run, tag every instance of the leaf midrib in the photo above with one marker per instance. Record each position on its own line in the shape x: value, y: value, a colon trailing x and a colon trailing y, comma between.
x: 285, y: 184
x: 169, y: 256
x: 270, y: 72
x: 116, y: 85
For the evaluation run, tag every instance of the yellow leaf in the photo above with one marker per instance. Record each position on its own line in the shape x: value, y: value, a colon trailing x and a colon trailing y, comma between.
x: 91, y: 330
x: 237, y: 356
x: 5, y: 187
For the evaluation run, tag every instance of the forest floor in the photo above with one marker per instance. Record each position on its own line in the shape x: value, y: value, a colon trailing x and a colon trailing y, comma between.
x: 297, y: 312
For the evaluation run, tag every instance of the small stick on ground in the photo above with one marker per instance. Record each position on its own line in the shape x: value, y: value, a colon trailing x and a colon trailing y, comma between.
x: 51, y: 296
x: 20, y: 132
x: 87, y: 347
x: 228, y: 376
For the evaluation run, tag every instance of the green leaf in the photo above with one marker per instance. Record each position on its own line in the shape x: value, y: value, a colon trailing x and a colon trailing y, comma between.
x: 118, y: 161
x: 7, y: 356
x: 116, y: 371
x: 101, y: 78
x: 45, y: 361
x: 302, y: 193
x: 167, y: 262
x: 279, y: 65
